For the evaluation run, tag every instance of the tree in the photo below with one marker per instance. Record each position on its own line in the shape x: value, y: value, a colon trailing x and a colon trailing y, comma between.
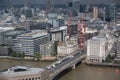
x: 22, y: 55
x: 55, y: 48
x: 37, y: 56
x: 15, y: 54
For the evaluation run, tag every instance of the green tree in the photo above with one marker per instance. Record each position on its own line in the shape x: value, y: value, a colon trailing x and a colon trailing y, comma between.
x: 20, y: 55
x: 37, y: 56
x: 13, y: 54
x: 109, y: 58
x: 55, y: 48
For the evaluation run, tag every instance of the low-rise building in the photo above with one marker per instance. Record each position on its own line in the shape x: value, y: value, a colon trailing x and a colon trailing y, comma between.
x: 24, y: 73
x: 28, y: 43
x: 68, y: 48
x: 97, y: 49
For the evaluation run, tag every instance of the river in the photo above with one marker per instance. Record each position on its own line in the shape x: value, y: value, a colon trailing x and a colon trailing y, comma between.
x: 82, y: 71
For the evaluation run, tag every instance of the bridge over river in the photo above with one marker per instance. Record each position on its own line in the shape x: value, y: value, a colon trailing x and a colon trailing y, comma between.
x: 68, y: 62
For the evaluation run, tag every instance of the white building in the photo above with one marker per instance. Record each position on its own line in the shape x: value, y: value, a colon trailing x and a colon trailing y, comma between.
x: 28, y: 43
x: 97, y: 49
x: 65, y: 49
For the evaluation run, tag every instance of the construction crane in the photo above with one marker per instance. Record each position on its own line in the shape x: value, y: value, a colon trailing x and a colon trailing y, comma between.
x: 69, y: 24
x: 81, y: 26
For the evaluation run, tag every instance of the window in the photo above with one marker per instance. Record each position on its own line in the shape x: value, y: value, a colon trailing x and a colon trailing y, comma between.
x: 38, y: 77
x: 32, y: 78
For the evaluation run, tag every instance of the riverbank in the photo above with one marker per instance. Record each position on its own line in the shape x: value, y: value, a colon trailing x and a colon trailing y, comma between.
x: 103, y: 64
x: 29, y: 58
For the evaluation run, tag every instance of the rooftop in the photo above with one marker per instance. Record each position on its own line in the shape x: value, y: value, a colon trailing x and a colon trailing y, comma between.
x: 2, y: 29
x: 99, y: 37
x: 35, y: 33
x: 21, y: 71
x: 68, y: 43
x: 58, y: 29
x: 90, y: 30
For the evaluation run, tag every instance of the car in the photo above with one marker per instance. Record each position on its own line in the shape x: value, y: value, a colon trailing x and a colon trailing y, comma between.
x: 53, y: 65
x: 48, y: 67
x: 71, y: 56
x: 58, y: 62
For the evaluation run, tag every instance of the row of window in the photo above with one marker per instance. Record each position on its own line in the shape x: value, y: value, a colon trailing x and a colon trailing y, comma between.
x: 36, y: 78
x: 95, y: 60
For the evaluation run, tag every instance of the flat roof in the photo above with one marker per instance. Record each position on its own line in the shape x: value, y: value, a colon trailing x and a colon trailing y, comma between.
x: 99, y: 37
x: 35, y: 33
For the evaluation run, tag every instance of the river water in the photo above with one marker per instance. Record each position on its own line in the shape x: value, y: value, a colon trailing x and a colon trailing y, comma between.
x: 82, y: 71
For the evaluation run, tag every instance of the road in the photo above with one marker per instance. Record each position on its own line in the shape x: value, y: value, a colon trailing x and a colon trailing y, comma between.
x: 64, y: 61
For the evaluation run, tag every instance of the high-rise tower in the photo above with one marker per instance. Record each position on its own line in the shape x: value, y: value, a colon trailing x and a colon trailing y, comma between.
x: 76, y: 5
x: 48, y: 5
x: 112, y: 12
x: 95, y: 12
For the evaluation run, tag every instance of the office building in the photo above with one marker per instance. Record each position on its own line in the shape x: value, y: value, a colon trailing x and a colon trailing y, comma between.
x: 118, y: 16
x: 117, y: 58
x: 47, y: 49
x: 112, y: 12
x: 52, y: 19
x: 76, y: 5
x: 8, y: 36
x: 68, y: 48
x: 4, y: 51
x: 4, y: 30
x: 58, y: 34
x: 28, y: 43
x: 95, y: 12
x: 97, y: 49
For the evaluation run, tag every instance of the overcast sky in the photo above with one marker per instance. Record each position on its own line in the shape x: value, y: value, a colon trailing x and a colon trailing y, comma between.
x: 2, y: 2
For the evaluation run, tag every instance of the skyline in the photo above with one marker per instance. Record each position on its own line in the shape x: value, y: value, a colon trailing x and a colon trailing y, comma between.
x: 21, y: 2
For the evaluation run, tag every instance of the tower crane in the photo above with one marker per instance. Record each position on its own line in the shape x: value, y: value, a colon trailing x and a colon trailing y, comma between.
x: 81, y: 26
x: 69, y: 24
